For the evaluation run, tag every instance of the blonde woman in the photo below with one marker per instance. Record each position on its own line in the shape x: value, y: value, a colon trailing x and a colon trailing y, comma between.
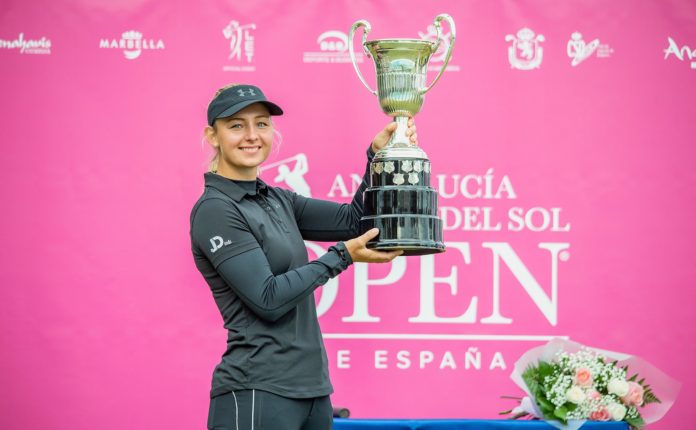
x: 247, y: 242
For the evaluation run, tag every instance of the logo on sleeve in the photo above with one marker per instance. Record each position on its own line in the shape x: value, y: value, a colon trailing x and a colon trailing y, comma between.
x: 218, y: 243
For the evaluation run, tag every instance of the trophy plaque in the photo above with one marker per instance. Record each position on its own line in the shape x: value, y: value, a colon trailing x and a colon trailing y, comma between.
x: 400, y: 201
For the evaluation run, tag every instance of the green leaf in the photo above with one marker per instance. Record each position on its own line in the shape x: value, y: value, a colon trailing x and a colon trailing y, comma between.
x: 531, y: 372
x: 541, y: 398
x: 531, y: 379
x: 545, y: 369
x: 650, y: 397
x: 544, y: 403
x: 636, y: 422
x: 561, y: 413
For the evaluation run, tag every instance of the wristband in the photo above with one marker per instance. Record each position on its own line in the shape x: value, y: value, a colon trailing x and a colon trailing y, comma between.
x: 342, y: 252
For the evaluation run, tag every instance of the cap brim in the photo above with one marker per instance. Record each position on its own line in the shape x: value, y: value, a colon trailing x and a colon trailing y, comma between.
x: 273, y: 108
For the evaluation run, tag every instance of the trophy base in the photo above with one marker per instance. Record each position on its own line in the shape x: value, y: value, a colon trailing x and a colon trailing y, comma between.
x: 413, y: 234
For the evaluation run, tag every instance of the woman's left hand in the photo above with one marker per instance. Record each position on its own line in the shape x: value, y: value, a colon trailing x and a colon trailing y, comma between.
x: 381, y: 139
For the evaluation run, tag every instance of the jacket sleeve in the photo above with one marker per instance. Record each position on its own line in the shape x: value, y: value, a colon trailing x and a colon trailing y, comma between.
x: 225, y: 239
x: 324, y: 220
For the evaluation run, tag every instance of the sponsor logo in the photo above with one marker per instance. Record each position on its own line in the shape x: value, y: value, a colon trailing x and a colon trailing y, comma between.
x: 438, y: 58
x: 683, y: 53
x: 469, y: 202
x: 132, y: 44
x: 526, y: 52
x: 241, y: 42
x: 333, y: 48
x: 217, y: 242
x: 290, y: 172
x: 27, y: 46
x: 579, y: 51
x: 249, y: 92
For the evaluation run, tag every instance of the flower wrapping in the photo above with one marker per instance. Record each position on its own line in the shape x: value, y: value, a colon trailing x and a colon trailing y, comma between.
x: 578, y: 383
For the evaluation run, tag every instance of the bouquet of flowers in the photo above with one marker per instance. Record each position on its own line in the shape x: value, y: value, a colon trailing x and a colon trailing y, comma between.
x: 569, y: 383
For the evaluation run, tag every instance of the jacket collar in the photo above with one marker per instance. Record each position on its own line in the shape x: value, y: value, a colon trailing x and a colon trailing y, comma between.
x: 230, y: 188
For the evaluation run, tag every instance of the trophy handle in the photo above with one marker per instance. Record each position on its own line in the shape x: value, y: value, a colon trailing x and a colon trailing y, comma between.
x: 358, y: 24
x: 453, y: 33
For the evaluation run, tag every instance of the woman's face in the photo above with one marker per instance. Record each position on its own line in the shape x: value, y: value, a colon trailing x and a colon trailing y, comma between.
x: 245, y: 140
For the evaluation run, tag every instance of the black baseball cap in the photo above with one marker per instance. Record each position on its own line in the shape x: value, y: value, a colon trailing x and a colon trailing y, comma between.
x: 232, y: 100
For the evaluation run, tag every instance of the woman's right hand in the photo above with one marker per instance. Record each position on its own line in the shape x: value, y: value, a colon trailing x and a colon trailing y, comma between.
x: 357, y: 248
x: 382, y: 138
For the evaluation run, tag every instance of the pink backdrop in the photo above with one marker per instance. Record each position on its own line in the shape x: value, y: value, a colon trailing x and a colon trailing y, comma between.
x: 567, y: 192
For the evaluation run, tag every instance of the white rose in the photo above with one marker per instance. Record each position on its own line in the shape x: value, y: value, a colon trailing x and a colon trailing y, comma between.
x: 618, y: 387
x: 617, y: 411
x: 575, y: 395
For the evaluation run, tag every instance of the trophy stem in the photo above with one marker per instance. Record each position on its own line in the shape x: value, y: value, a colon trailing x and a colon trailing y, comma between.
x: 399, y: 145
x: 398, y: 138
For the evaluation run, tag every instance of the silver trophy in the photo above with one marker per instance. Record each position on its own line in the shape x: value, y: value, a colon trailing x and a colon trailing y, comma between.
x: 400, y: 201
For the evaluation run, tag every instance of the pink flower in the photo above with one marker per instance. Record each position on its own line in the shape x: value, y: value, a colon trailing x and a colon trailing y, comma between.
x: 635, y: 394
x: 583, y: 377
x: 594, y: 395
x: 601, y: 414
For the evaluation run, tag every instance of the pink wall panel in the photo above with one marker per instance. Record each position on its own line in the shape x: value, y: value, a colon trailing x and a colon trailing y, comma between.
x: 567, y: 193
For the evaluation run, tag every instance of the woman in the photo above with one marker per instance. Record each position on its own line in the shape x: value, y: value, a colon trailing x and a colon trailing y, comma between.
x: 247, y: 241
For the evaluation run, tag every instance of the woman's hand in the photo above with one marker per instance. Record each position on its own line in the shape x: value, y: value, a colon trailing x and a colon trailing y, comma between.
x: 361, y: 254
x: 381, y: 139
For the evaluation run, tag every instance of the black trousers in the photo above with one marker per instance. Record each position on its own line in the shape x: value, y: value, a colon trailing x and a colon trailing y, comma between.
x: 261, y: 410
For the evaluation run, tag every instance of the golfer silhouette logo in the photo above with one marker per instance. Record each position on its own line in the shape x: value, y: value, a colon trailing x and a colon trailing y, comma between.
x: 291, y: 171
x: 240, y: 37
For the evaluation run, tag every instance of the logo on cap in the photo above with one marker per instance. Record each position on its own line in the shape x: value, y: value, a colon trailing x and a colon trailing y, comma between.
x: 241, y: 92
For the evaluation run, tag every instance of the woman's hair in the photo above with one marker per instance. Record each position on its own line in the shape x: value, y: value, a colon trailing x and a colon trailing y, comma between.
x: 213, y: 163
